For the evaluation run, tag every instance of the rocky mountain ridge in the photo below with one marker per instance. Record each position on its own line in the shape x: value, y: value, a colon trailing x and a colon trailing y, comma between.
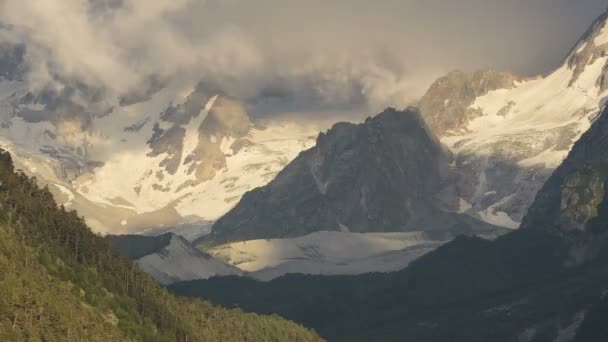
x: 386, y: 174
x: 543, y: 282
x: 509, y: 133
x: 154, y: 160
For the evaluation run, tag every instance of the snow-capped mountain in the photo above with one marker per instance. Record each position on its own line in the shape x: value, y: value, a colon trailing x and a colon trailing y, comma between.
x: 508, y: 134
x: 332, y: 253
x: 175, y: 154
x: 170, y: 258
x: 383, y: 175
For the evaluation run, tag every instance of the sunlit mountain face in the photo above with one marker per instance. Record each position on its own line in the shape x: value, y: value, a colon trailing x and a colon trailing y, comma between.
x: 172, y: 123
x: 395, y: 152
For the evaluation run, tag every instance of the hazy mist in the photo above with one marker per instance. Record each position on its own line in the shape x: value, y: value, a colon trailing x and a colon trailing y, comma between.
x: 287, y: 55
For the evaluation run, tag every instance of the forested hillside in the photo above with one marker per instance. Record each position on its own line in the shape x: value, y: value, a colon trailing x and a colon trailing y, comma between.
x: 61, y: 282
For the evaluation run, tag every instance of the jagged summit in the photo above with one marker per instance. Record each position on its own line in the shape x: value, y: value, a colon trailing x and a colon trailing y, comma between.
x: 592, y: 46
x: 446, y: 104
x: 171, y: 154
x: 508, y: 134
x: 385, y: 174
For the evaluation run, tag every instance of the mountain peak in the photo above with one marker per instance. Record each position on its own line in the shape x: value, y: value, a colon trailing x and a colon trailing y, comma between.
x: 227, y: 118
x: 446, y: 105
x: 383, y: 175
x: 592, y: 46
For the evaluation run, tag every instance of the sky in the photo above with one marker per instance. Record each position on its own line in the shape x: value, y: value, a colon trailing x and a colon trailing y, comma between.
x: 291, y: 55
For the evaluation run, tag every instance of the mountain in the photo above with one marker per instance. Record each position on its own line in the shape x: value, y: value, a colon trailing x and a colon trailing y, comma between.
x: 171, y: 154
x: 61, y: 282
x: 383, y: 175
x: 488, y: 143
x: 332, y: 253
x: 169, y: 258
x: 509, y: 133
x: 543, y: 282
x: 574, y: 201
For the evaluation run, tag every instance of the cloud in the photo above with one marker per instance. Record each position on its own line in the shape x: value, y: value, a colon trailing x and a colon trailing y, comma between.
x: 311, y: 54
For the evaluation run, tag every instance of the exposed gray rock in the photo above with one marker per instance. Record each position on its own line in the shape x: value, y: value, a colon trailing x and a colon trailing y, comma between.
x: 573, y: 203
x: 445, y: 107
x: 586, y: 52
x: 169, y: 143
x: 382, y: 175
x: 226, y: 118
x: 575, y: 197
x: 502, y: 173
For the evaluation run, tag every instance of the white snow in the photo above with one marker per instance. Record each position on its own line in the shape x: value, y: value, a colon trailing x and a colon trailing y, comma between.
x: 581, y: 48
x: 602, y: 37
x: 539, y: 104
x: 548, y: 158
x: 131, y: 180
x: 464, y: 206
x: 64, y: 190
x: 191, y: 138
x: 499, y: 218
x: 181, y: 262
x: 538, y: 107
x: 327, y: 253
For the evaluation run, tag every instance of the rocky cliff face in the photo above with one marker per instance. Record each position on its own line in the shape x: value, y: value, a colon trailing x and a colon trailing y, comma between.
x: 446, y: 107
x: 575, y: 198
x: 591, y: 47
x: 382, y: 175
x: 198, y: 128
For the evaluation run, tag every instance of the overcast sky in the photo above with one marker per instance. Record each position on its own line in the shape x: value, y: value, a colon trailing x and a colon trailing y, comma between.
x: 315, y: 53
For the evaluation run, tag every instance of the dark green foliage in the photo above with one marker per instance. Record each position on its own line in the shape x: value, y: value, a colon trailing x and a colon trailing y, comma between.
x: 61, y: 282
x: 595, y: 323
x: 469, y: 290
x: 534, y: 284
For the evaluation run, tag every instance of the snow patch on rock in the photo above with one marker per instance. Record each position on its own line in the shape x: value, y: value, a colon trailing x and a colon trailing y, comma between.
x: 179, y: 261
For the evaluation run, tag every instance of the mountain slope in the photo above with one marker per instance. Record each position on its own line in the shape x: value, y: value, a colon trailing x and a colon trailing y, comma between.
x: 59, y: 281
x: 468, y: 290
x: 573, y: 203
x: 58, y: 311
x: 327, y: 253
x: 169, y: 258
x: 543, y: 282
x: 508, y: 133
x: 381, y: 175
x: 180, y: 153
